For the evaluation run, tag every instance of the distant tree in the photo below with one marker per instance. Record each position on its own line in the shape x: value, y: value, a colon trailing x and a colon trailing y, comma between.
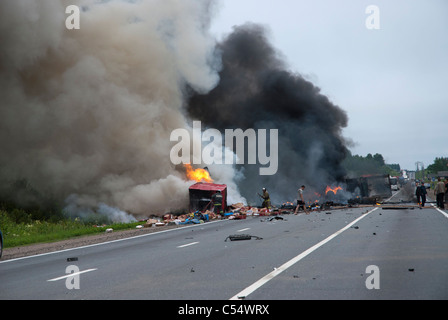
x: 358, y: 165
x: 394, y: 166
x: 379, y: 158
x: 440, y: 164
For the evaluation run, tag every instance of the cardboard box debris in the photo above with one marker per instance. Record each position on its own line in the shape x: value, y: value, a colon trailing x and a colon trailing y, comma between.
x: 235, y: 211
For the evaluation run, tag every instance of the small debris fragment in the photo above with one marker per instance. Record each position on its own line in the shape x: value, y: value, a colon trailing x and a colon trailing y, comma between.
x: 109, y: 230
x: 239, y: 237
x: 72, y: 259
x: 411, y: 269
x: 273, y: 218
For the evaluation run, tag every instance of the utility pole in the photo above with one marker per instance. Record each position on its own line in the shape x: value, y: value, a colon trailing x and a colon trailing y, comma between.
x: 423, y: 169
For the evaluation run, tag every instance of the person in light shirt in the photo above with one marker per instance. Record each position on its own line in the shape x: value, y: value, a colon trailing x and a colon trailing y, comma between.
x: 301, y: 201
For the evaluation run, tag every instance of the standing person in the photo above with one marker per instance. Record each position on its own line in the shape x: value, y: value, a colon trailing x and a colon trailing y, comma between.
x: 423, y: 193
x: 446, y: 192
x: 266, y: 199
x: 217, y: 202
x: 418, y: 194
x: 439, y: 192
x: 300, y: 201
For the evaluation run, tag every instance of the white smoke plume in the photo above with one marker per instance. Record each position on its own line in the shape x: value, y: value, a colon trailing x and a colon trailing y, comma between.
x: 86, y: 115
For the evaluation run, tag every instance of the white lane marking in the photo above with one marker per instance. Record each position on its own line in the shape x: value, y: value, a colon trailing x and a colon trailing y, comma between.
x: 72, y: 274
x: 435, y: 207
x: 187, y: 245
x: 245, y: 229
x: 276, y: 272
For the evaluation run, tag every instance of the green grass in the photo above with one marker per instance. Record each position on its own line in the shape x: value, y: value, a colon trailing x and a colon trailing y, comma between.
x: 28, y: 231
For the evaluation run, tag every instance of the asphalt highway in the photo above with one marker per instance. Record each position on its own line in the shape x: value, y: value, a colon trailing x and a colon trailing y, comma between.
x: 353, y: 253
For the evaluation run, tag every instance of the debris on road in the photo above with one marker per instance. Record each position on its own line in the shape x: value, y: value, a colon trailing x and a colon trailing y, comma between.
x: 240, y: 237
x: 274, y: 218
x: 399, y: 207
x: 238, y: 211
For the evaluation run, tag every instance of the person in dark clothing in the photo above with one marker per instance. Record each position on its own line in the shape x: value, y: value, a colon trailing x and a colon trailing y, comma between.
x: 420, y: 192
x: 439, y: 192
x: 417, y: 193
x: 217, y: 201
x: 446, y: 192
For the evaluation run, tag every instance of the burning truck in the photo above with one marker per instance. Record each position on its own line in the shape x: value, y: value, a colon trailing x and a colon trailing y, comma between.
x: 369, y: 189
x: 201, y: 195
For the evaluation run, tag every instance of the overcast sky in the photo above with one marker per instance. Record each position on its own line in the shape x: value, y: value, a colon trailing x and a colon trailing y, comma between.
x: 392, y: 82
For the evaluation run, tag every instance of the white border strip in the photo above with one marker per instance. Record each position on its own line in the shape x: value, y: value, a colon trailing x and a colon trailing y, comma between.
x: 435, y: 207
x: 276, y: 272
x: 442, y: 212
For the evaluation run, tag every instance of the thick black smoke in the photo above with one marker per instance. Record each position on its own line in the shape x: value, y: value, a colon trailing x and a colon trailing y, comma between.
x: 257, y: 91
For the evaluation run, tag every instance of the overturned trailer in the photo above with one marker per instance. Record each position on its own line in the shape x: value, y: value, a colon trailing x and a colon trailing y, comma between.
x: 201, y: 195
x: 369, y: 189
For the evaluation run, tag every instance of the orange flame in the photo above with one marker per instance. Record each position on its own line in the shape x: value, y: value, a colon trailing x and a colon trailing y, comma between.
x: 334, y: 190
x: 199, y: 175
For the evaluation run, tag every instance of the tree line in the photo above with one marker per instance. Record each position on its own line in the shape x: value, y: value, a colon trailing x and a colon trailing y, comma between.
x: 357, y: 165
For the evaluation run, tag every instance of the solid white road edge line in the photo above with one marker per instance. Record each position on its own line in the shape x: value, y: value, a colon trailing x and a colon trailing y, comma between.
x: 276, y: 272
x: 72, y: 274
x: 444, y: 213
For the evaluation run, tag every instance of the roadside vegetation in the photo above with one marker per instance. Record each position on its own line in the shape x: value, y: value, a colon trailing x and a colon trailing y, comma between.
x: 19, y: 228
